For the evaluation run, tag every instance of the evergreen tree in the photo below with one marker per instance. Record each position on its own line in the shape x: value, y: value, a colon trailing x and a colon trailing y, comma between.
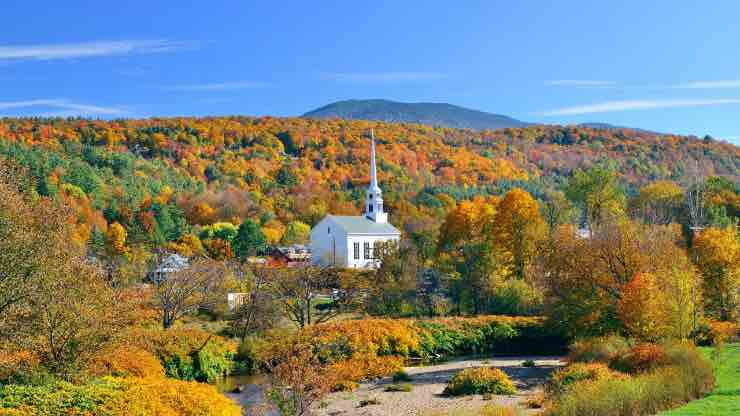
x: 249, y: 240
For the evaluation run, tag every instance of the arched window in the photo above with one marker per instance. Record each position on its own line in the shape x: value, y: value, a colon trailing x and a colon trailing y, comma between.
x: 370, y: 208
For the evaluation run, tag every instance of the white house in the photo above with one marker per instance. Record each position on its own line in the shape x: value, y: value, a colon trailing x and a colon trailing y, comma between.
x: 351, y: 241
x: 171, y: 263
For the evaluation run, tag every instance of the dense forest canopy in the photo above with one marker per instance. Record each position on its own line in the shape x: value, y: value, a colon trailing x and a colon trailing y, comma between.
x: 167, y: 180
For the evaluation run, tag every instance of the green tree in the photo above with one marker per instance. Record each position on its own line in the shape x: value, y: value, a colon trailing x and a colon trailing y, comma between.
x: 297, y: 232
x: 596, y: 191
x: 249, y: 240
x: 393, y: 283
x: 557, y: 209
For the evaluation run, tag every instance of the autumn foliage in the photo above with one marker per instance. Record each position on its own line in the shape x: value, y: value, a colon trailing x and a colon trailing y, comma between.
x: 357, y: 350
x: 718, y: 254
x: 110, y: 396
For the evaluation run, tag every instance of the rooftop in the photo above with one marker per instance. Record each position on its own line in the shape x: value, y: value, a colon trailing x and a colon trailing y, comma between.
x: 363, y: 225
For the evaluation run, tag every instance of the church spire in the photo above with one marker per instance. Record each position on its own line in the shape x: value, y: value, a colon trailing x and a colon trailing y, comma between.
x: 373, y: 169
x: 374, y: 202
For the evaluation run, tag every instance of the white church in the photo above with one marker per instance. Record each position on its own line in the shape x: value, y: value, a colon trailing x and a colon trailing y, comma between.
x: 352, y: 241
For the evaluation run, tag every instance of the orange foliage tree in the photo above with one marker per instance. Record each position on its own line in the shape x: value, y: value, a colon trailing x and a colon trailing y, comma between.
x: 718, y: 259
x: 640, y: 307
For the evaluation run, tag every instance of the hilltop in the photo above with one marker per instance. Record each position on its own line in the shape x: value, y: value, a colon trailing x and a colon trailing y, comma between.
x: 433, y: 114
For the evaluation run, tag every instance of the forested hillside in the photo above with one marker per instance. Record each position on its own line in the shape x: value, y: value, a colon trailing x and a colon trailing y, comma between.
x: 147, y: 183
x: 432, y: 114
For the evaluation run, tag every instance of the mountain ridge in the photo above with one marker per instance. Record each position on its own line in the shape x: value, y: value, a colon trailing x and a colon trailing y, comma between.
x: 428, y: 113
x: 436, y: 114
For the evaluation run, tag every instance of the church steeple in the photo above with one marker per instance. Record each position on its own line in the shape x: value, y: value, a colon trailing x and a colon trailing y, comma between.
x: 374, y: 201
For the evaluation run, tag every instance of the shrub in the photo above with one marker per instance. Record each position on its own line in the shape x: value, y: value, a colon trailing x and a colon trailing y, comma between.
x: 188, y: 354
x: 118, y: 397
x: 400, y: 376
x: 640, y: 358
x: 535, y: 401
x: 403, y: 387
x: 515, y: 297
x: 369, y: 402
x: 561, y: 380
x: 723, y: 331
x: 247, y: 356
x: 20, y: 367
x: 713, y: 332
x: 479, y: 381
x: 126, y: 361
x: 362, y: 367
x: 696, y: 371
x: 598, y: 350
x: 685, y: 376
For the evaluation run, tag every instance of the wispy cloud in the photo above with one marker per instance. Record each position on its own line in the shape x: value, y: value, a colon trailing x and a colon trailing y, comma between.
x: 90, y: 49
x: 579, y: 83
x: 611, y: 106
x: 709, y: 84
x: 62, y: 108
x: 716, y: 84
x: 382, y: 76
x: 220, y: 86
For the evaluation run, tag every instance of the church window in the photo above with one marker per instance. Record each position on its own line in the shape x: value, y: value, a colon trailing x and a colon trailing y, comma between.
x: 380, y: 207
x: 328, y: 230
x: 370, y: 207
x: 357, y: 250
x: 376, y: 249
x: 366, y: 249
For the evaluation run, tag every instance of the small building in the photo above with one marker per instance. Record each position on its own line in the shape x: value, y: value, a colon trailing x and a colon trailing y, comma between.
x: 291, y: 255
x: 354, y: 241
x: 171, y: 263
x: 235, y: 300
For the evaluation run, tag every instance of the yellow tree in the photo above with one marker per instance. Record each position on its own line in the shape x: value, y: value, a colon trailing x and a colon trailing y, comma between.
x: 468, y: 221
x: 117, y: 239
x: 718, y: 259
x: 464, y: 247
x: 517, y: 228
x: 659, y: 202
x: 53, y: 303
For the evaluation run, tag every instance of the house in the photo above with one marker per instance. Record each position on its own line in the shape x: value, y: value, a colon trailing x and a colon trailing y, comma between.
x: 236, y: 299
x: 353, y: 241
x: 291, y: 255
x: 171, y: 263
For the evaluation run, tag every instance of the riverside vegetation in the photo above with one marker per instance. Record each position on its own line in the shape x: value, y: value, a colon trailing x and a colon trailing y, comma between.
x: 519, y: 241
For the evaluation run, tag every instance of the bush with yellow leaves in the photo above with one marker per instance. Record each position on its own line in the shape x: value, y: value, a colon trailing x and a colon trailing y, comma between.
x: 481, y: 380
x: 110, y: 396
x: 126, y: 361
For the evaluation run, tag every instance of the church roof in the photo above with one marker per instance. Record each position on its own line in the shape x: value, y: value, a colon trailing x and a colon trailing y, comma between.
x: 363, y: 225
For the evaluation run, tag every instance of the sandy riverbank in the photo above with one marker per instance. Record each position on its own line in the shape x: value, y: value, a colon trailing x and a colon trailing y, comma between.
x: 428, y: 383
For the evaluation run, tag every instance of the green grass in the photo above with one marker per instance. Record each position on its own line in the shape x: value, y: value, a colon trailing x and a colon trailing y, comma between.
x: 725, y: 400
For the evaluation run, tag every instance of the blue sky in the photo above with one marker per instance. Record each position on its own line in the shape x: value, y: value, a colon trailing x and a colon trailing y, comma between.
x: 669, y: 66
